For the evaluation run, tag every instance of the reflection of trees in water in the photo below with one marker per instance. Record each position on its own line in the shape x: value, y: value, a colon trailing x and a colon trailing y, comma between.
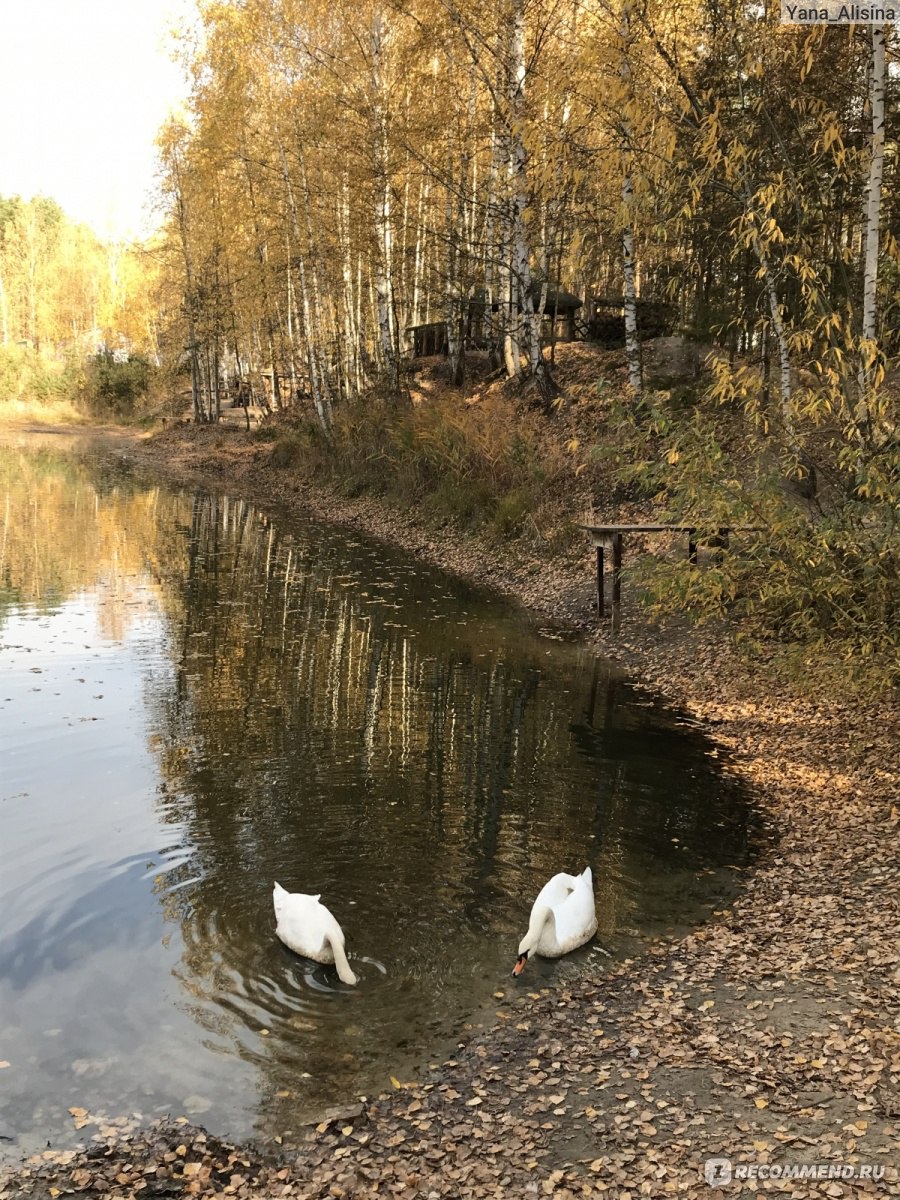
x: 336, y: 732
x: 285, y: 657
x: 345, y: 720
x: 312, y: 673
x: 66, y: 528
x: 330, y: 710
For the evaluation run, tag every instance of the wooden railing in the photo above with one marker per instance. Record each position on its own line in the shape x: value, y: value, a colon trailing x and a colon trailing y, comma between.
x: 611, y: 537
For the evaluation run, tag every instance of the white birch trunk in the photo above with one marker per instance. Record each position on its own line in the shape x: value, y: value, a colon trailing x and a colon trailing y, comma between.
x: 869, y: 331
x: 508, y: 284
x: 492, y: 251
x: 291, y: 327
x: 457, y: 256
x: 784, y: 354
x: 319, y: 394
x: 383, y: 230
x: 262, y: 254
x: 321, y: 400
x: 403, y: 305
x: 351, y: 334
x: 473, y: 198
x: 509, y: 295
x: 777, y: 320
x: 451, y: 298
x: 528, y: 320
x: 419, y: 259
x: 632, y: 343
x: 189, y: 282
x: 319, y: 341
x: 361, y: 326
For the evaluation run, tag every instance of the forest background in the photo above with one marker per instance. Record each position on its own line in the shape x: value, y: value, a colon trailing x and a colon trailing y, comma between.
x: 356, y: 184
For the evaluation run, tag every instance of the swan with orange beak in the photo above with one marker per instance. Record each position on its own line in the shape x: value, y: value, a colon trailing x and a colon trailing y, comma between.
x: 563, y: 917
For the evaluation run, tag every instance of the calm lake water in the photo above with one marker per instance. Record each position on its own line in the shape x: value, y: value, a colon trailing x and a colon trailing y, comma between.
x: 196, y: 699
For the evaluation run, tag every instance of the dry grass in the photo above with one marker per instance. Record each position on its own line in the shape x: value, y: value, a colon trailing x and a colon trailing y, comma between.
x: 20, y: 411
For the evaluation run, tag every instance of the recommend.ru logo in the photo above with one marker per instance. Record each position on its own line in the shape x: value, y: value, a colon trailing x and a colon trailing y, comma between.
x: 717, y: 1171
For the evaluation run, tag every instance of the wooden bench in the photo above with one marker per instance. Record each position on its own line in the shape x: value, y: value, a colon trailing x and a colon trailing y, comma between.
x: 611, y: 537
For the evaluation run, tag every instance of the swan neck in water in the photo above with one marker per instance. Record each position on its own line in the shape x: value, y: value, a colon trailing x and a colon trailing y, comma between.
x: 340, y: 961
x: 540, y: 915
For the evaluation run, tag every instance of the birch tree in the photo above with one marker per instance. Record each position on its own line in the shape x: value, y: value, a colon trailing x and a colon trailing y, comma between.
x: 632, y: 345
x: 380, y: 134
x: 869, y: 371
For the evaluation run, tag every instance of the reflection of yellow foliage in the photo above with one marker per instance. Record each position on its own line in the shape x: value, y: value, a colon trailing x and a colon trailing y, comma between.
x: 60, y: 534
x: 277, y: 651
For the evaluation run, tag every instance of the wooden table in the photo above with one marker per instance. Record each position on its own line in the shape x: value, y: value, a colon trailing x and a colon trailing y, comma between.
x: 612, y: 536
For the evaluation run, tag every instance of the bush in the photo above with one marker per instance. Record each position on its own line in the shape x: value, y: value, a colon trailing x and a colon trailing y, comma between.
x: 24, y: 375
x: 265, y: 433
x: 36, y: 389
x: 111, y: 387
x: 479, y: 467
x: 287, y: 451
x: 511, y: 512
x: 822, y: 573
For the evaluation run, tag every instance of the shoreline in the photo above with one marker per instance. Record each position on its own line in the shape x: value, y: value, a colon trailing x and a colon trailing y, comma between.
x: 770, y: 1035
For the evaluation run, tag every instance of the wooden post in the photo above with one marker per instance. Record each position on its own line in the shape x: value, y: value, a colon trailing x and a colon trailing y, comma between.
x: 692, y: 546
x: 617, y: 582
x: 600, y: 600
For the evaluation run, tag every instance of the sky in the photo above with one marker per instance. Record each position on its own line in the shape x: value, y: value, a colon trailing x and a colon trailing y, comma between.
x: 84, y: 87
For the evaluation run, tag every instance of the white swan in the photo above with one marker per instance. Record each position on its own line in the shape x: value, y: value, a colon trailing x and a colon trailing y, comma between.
x: 308, y: 928
x: 563, y: 917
